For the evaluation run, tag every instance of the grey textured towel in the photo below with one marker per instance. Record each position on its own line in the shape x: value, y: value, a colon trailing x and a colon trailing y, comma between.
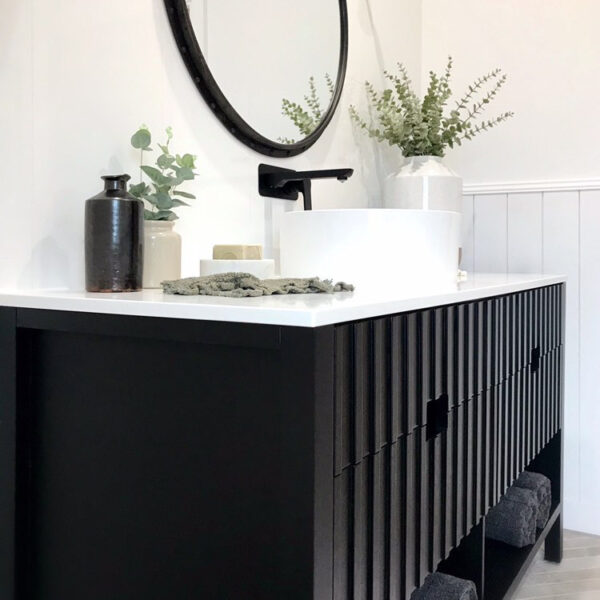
x: 513, y: 520
x: 541, y: 485
x: 438, y: 586
x: 241, y: 285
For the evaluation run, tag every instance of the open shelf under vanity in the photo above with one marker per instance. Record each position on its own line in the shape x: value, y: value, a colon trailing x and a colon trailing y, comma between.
x: 498, y: 569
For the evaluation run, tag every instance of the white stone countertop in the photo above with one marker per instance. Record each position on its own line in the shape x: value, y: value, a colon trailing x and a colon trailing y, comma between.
x: 310, y: 310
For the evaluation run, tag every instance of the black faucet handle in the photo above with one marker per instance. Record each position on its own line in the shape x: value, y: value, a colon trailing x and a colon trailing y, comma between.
x: 287, y: 184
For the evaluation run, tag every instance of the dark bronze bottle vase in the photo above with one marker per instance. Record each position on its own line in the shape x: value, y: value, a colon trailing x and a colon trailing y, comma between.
x: 114, y: 239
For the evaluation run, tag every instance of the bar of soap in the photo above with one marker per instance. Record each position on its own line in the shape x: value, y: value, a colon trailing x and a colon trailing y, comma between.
x: 237, y: 252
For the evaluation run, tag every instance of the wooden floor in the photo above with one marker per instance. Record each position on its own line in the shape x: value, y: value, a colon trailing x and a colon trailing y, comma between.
x: 576, y: 578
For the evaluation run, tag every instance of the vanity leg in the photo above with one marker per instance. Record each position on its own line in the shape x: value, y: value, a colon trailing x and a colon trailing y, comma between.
x: 553, y: 550
x: 8, y: 396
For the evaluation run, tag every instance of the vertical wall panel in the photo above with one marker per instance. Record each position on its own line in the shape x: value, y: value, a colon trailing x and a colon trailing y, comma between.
x: 524, y: 233
x: 490, y: 239
x: 590, y: 338
x: 467, y: 235
x: 561, y: 255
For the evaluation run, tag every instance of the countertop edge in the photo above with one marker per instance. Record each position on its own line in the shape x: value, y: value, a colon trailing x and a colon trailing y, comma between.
x: 268, y: 314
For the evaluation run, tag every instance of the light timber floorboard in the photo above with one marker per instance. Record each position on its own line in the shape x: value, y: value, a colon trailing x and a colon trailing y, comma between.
x: 576, y: 578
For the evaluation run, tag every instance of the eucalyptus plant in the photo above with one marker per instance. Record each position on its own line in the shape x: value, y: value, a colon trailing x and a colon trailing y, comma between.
x: 161, y: 194
x: 306, y: 117
x: 424, y: 127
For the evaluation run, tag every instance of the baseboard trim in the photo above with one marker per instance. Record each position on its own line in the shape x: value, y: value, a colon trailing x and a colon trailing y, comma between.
x: 582, y: 516
x: 530, y: 187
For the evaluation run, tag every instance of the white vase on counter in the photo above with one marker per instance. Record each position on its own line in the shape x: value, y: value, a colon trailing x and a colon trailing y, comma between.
x: 162, y: 253
x: 426, y: 183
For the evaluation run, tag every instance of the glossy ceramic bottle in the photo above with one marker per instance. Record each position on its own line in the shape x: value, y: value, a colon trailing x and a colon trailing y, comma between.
x: 114, y: 238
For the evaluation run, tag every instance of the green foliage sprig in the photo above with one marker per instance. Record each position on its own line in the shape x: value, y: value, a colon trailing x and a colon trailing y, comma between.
x: 170, y: 172
x: 423, y: 127
x: 306, y: 118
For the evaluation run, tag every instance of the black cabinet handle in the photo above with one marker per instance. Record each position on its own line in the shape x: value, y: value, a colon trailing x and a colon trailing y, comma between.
x: 437, y: 416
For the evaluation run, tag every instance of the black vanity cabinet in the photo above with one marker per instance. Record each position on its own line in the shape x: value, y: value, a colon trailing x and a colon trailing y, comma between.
x: 147, y: 458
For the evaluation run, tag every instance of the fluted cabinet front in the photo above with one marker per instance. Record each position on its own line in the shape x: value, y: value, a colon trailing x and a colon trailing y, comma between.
x: 436, y: 413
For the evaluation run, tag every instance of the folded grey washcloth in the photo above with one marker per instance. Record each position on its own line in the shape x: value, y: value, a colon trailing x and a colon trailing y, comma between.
x: 240, y: 285
x: 541, y: 485
x: 438, y: 586
x: 513, y: 520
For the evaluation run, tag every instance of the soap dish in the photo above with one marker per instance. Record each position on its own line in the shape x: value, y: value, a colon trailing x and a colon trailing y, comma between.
x: 263, y: 268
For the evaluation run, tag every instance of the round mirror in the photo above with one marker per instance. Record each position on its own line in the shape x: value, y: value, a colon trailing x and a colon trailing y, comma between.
x: 271, y: 70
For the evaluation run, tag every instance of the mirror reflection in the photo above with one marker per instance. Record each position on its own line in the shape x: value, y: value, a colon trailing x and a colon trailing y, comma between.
x: 287, y: 52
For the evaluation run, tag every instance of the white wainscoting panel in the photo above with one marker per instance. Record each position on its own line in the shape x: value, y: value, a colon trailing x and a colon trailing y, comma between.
x: 554, y: 231
x: 589, y: 345
x: 490, y: 233
x: 467, y: 235
x: 524, y: 231
x: 561, y: 255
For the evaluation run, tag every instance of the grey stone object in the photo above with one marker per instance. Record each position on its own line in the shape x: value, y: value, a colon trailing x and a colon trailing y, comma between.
x: 513, y: 520
x: 439, y: 586
x: 542, y: 487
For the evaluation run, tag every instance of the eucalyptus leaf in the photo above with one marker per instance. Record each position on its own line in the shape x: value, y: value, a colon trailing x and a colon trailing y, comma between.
x: 163, y: 200
x: 164, y: 161
x: 184, y: 194
x: 166, y: 215
x: 422, y: 127
x: 176, y: 202
x: 184, y: 173
x: 150, y: 198
x: 141, y: 139
x: 187, y: 160
x: 172, y: 171
x: 156, y: 176
x: 138, y: 189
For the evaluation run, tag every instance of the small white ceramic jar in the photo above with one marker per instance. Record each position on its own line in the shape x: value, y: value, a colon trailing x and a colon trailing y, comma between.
x: 162, y: 253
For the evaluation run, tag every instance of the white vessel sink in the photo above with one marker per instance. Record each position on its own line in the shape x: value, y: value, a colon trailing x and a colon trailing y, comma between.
x: 386, y: 246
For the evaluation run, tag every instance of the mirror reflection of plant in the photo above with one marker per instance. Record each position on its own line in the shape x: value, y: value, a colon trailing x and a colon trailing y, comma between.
x: 306, y: 118
x: 420, y: 127
x: 170, y: 172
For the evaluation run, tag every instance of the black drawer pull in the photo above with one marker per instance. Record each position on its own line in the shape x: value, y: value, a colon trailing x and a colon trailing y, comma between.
x: 535, y: 359
x: 437, y: 416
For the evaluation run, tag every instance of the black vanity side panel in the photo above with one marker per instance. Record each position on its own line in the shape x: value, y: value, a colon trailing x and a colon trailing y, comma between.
x: 165, y: 461
x: 8, y: 390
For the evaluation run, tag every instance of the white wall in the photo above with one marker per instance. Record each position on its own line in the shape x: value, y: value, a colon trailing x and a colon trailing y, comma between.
x: 551, y: 52
x: 550, y: 221
x: 78, y: 77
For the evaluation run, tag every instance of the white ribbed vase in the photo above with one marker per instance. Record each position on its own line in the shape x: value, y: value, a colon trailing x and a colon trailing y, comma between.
x: 162, y: 253
x: 424, y: 182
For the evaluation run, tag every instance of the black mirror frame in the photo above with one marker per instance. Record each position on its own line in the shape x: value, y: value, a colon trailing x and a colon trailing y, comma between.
x: 197, y: 66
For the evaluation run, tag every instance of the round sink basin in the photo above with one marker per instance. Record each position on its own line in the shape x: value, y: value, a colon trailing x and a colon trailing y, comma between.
x: 384, y: 246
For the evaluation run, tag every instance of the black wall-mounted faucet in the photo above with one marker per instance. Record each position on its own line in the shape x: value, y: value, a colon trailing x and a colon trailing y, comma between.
x: 286, y: 184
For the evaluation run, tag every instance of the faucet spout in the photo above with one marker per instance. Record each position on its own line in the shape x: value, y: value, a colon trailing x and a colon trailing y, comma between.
x: 287, y: 184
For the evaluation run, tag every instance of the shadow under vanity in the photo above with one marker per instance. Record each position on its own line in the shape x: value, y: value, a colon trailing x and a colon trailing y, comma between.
x: 146, y: 457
